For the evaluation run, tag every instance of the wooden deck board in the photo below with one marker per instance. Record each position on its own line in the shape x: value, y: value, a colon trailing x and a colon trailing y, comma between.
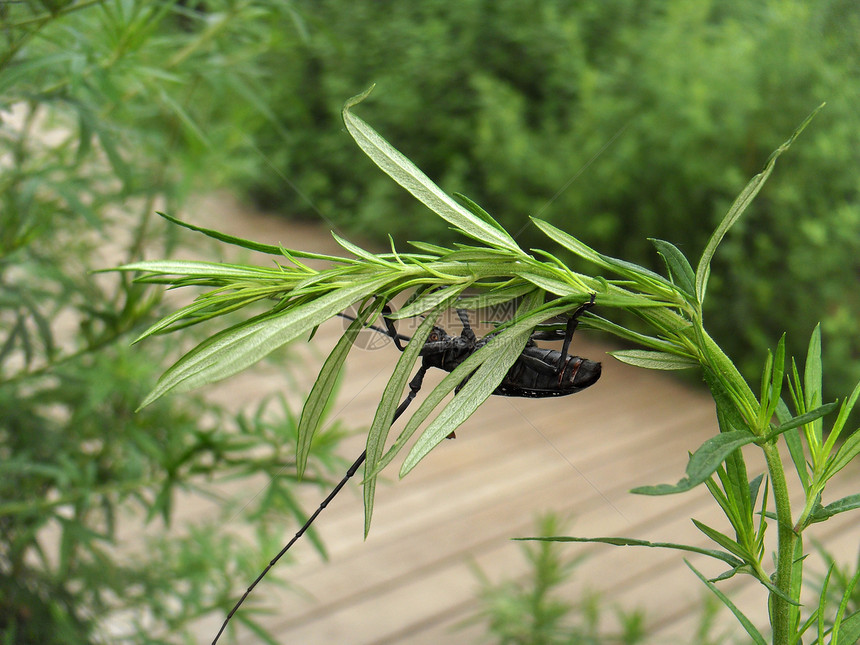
x: 412, y: 580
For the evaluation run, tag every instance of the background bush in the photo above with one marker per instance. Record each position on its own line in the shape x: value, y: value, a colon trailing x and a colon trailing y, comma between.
x: 110, y: 110
x: 679, y: 101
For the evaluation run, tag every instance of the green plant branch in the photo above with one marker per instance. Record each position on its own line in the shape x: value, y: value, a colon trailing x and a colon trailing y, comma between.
x: 781, y: 610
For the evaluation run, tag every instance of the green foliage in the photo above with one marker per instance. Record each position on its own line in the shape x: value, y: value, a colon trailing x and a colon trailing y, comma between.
x: 533, y: 611
x: 670, y: 308
x: 103, y: 117
x: 679, y: 101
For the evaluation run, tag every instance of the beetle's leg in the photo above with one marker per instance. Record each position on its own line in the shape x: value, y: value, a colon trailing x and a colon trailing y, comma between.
x: 389, y: 324
x: 414, y: 385
x: 568, y: 332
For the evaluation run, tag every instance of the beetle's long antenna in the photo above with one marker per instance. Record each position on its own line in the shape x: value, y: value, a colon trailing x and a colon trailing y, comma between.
x: 414, y: 387
x: 398, y: 335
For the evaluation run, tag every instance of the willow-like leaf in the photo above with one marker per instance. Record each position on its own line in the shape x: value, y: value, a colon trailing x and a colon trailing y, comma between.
x: 237, y: 347
x: 408, y: 175
x: 475, y: 209
x: 320, y: 394
x: 795, y: 445
x: 703, y: 462
x: 850, y: 630
x: 822, y: 513
x: 430, y: 300
x: 359, y: 252
x: 803, y: 419
x: 737, y: 209
x: 595, y: 321
x: 640, y: 275
x: 271, y: 249
x: 730, y: 545
x: 758, y: 639
x: 678, y: 266
x: 433, y: 249
x: 812, y: 377
x: 845, y: 455
x: 499, y: 295
x: 622, y: 541
x: 844, y: 410
x: 198, y: 311
x: 193, y: 269
x: 552, y: 285
x: 654, y: 360
x: 382, y: 421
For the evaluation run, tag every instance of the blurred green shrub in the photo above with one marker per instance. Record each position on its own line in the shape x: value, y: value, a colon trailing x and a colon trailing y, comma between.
x: 534, y: 610
x: 509, y: 102
x: 109, y: 110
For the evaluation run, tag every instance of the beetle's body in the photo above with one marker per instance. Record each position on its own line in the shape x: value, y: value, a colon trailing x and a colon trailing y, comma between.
x: 537, y: 373
x: 526, y: 379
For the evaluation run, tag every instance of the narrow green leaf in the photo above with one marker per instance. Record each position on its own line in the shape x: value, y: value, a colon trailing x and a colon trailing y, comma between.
x: 183, y: 313
x: 812, y: 377
x: 430, y: 300
x: 809, y: 622
x: 551, y: 284
x: 804, y: 418
x: 849, y: 629
x: 678, y: 265
x: 654, y: 360
x: 410, y: 177
x: 271, y: 249
x: 602, y: 324
x: 639, y: 274
x: 737, y: 209
x: 384, y: 416
x: 822, y: 603
x: 622, y: 541
x: 202, y: 269
x: 758, y: 639
x: 730, y: 545
x: 495, y: 297
x: 433, y: 249
x: 480, y: 212
x: 320, y: 394
x: 795, y: 445
x: 796, y: 582
x: 237, y: 347
x: 118, y: 164
x: 777, y: 378
x: 844, y: 410
x: 822, y: 513
x: 845, y: 455
x: 359, y: 252
x: 703, y: 462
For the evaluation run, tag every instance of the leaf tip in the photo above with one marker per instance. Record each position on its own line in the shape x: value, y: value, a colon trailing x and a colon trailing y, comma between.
x: 358, y: 98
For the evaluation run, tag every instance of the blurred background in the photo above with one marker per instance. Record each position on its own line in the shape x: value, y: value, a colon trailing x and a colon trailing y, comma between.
x: 616, y: 121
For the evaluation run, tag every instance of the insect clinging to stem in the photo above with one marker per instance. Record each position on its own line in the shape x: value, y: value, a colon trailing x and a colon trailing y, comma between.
x: 537, y: 373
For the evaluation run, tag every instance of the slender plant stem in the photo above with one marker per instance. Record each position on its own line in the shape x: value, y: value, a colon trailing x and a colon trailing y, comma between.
x: 786, y: 538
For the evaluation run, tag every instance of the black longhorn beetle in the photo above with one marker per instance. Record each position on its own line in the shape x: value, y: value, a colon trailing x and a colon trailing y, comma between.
x: 537, y: 373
